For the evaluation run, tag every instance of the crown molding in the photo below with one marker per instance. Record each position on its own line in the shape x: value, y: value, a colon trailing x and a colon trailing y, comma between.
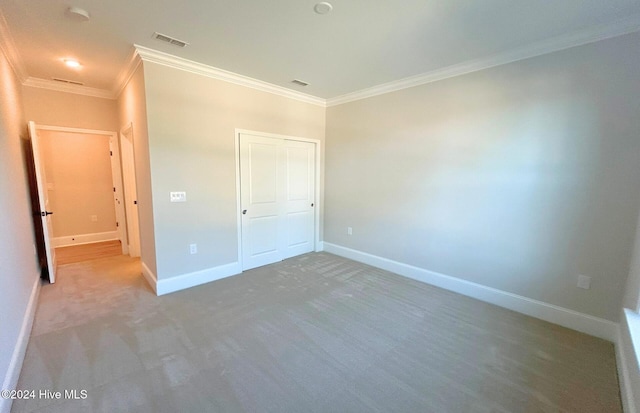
x: 68, y: 88
x: 129, y: 68
x: 621, y: 27
x: 8, y: 47
x: 154, y: 56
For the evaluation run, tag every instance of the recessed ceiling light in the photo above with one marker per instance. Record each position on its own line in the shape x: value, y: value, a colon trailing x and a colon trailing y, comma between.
x: 78, y: 14
x: 72, y: 63
x: 323, y: 7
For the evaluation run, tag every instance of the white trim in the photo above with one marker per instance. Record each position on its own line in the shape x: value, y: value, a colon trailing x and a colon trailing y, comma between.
x: 117, y: 183
x: 150, y: 277
x: 621, y: 27
x: 188, y: 280
x: 128, y: 70
x: 8, y: 47
x: 68, y: 88
x: 318, y: 169
x: 627, y: 352
x: 118, y: 193
x: 84, y: 239
x: 17, y: 358
x: 558, y: 315
x: 75, y: 130
x: 154, y: 56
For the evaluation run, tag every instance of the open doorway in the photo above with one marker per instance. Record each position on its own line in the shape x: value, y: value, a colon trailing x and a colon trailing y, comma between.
x: 81, y: 180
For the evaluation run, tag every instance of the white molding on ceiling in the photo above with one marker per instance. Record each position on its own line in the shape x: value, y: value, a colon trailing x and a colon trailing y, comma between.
x: 129, y: 68
x: 621, y: 27
x: 154, y: 56
x: 8, y: 47
x: 68, y: 88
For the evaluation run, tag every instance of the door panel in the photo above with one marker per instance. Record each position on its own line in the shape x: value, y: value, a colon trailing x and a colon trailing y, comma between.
x: 261, y: 241
x: 299, y: 166
x: 277, y: 189
x: 263, y: 171
x: 43, y: 198
x: 260, y: 178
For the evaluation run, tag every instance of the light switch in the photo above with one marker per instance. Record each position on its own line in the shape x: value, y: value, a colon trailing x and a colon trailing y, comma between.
x: 178, y: 196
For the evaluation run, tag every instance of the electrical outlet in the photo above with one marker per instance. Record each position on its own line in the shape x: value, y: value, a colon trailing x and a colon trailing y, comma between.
x: 193, y: 248
x: 94, y: 218
x: 584, y: 282
x: 178, y: 196
x: 349, y: 231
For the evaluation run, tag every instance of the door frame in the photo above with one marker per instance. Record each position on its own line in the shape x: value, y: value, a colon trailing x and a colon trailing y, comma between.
x: 318, y: 206
x: 116, y: 174
x: 128, y: 128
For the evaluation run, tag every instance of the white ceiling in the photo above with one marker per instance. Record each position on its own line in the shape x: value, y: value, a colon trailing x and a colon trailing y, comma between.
x: 360, y: 44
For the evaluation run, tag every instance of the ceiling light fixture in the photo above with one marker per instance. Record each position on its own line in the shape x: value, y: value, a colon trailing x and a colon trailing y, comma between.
x: 72, y: 63
x: 78, y: 14
x: 323, y: 7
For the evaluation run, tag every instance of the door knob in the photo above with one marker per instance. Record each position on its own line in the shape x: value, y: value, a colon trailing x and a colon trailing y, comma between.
x: 45, y: 213
x: 244, y: 212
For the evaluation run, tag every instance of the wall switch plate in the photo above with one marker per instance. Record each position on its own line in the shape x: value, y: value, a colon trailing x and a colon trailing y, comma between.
x: 193, y: 248
x: 584, y: 282
x: 178, y: 196
x: 349, y: 231
x: 94, y: 218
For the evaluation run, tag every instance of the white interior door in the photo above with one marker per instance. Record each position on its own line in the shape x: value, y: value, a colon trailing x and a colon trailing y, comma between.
x: 277, y: 189
x: 43, y: 199
x: 130, y: 192
x: 299, y: 197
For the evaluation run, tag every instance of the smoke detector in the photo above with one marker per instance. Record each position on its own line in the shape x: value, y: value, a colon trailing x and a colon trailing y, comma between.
x: 78, y: 14
x: 323, y: 7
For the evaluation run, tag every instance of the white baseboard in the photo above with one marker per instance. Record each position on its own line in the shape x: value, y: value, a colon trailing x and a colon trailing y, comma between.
x: 575, y: 320
x: 15, y: 365
x: 84, y: 239
x: 150, y: 277
x: 627, y: 360
x: 188, y: 280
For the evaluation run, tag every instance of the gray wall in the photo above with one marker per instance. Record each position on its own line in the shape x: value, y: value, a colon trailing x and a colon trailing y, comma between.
x: 518, y: 177
x: 192, y: 121
x: 18, y: 264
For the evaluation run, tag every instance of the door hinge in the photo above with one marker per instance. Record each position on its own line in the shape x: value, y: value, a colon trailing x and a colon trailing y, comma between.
x: 117, y: 224
x: 110, y: 153
x: 114, y: 189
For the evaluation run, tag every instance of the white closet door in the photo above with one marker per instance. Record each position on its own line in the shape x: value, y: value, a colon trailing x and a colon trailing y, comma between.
x: 299, y: 197
x: 261, y: 195
x: 277, y: 199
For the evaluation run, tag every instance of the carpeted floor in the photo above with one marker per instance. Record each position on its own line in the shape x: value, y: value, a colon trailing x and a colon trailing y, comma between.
x: 315, y: 333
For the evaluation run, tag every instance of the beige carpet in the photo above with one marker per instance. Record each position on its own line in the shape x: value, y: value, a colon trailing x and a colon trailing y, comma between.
x: 316, y: 333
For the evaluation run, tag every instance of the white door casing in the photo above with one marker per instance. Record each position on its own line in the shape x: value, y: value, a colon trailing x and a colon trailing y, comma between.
x: 130, y: 191
x: 43, y: 199
x: 277, y: 197
x: 118, y: 192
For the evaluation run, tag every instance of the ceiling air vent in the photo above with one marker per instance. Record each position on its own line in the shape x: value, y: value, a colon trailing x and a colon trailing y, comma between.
x: 299, y: 82
x: 169, y: 39
x: 71, y: 82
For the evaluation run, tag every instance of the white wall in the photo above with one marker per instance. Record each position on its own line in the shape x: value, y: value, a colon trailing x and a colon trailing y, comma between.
x: 19, y: 271
x: 55, y: 108
x: 518, y: 177
x: 192, y: 121
x: 132, y: 110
